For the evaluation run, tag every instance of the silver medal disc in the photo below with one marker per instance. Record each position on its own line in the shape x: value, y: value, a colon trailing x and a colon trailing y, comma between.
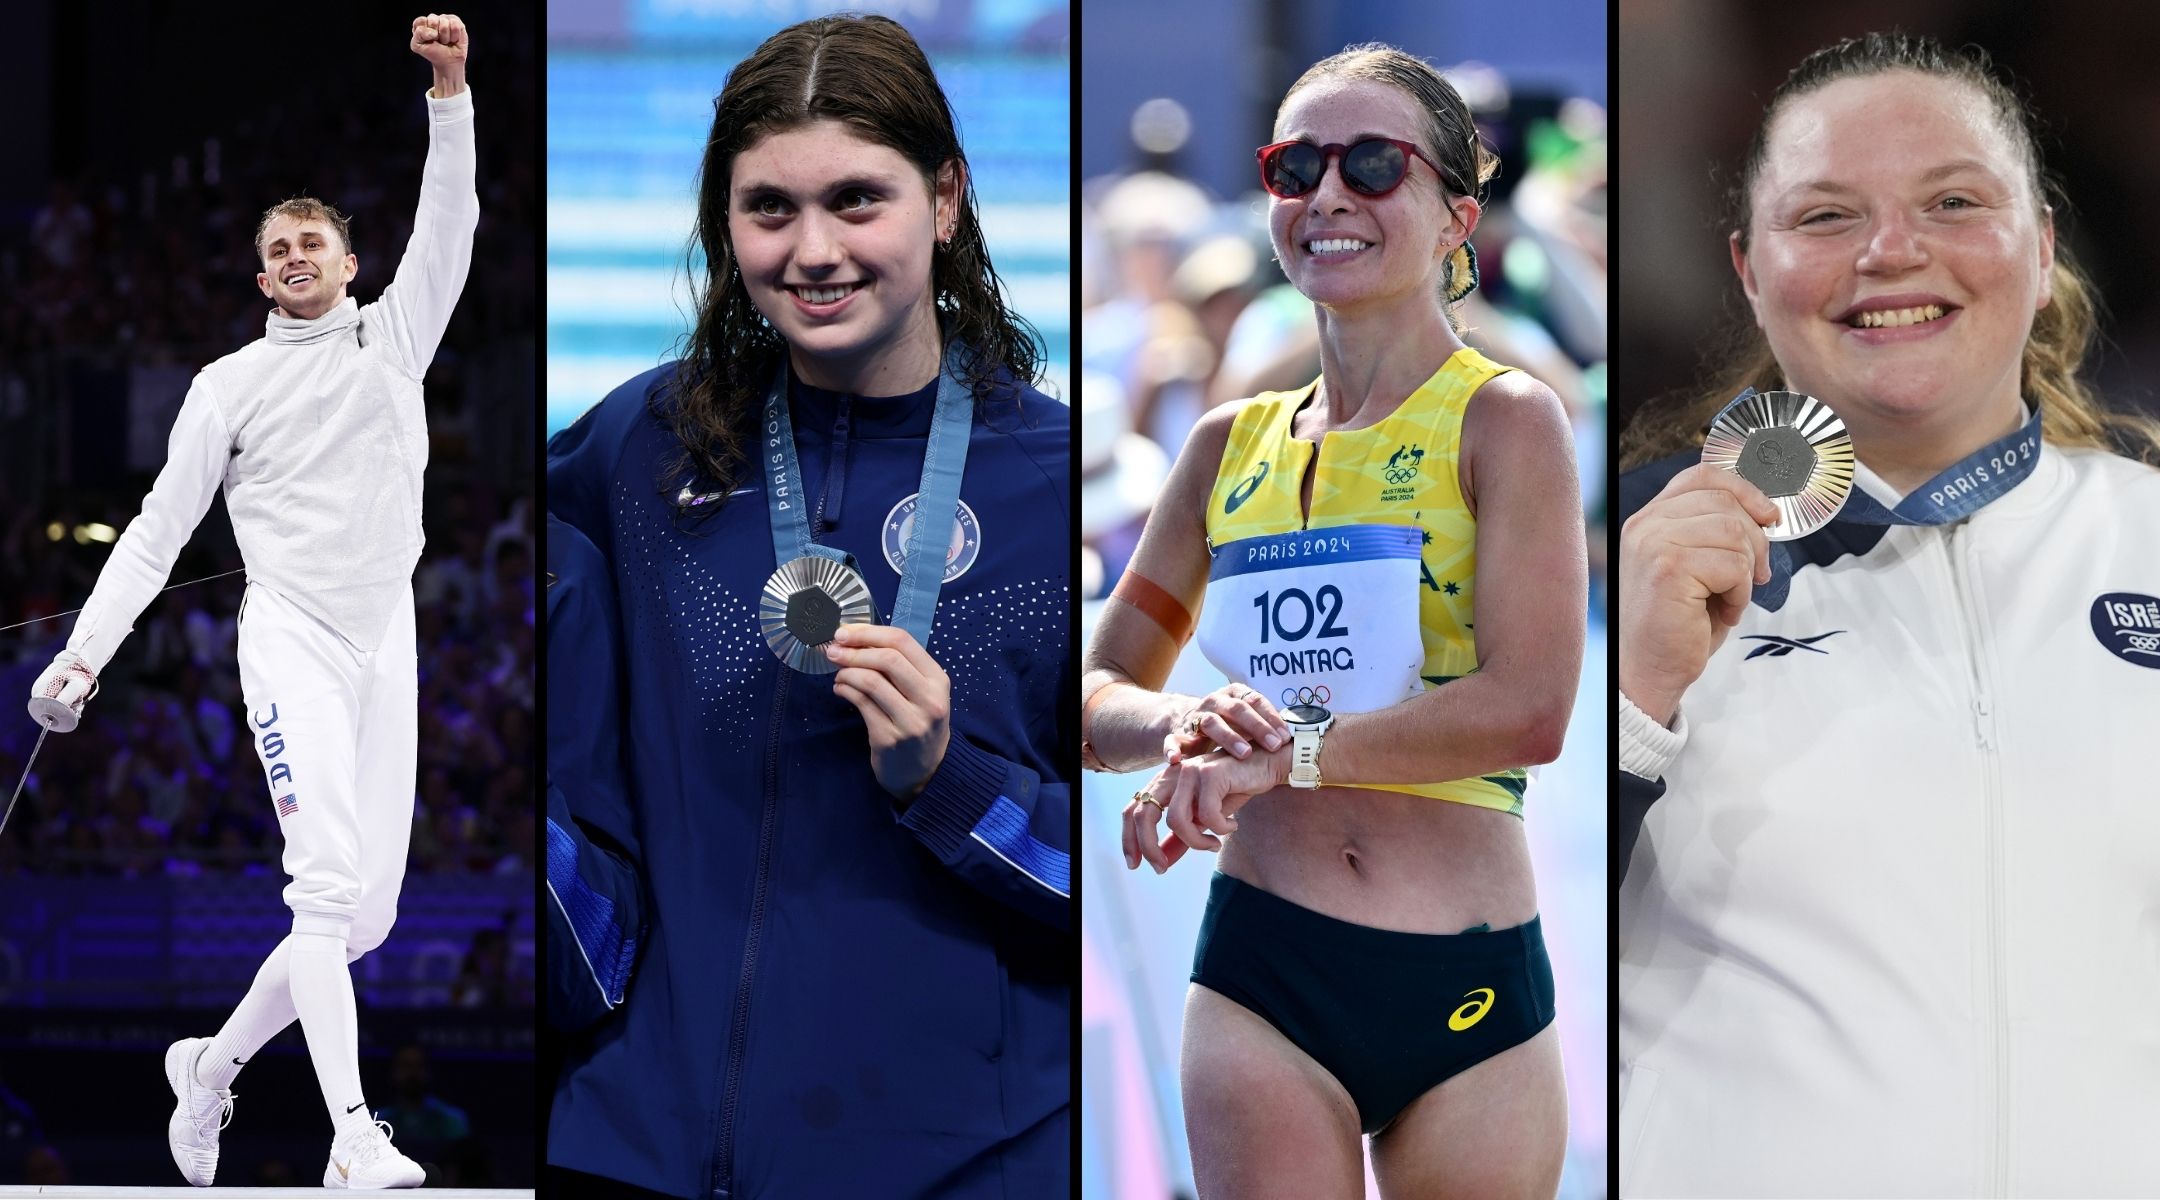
x: 1792, y: 447
x: 804, y: 602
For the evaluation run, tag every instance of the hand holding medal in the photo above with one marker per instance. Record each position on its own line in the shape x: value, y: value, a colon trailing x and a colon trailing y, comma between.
x: 904, y: 697
x: 1689, y: 561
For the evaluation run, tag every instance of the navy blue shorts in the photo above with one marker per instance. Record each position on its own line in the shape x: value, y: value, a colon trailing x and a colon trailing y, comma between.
x: 1391, y: 1015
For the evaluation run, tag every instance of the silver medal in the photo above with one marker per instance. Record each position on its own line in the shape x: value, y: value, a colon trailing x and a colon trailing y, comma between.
x: 1792, y: 447
x: 804, y: 603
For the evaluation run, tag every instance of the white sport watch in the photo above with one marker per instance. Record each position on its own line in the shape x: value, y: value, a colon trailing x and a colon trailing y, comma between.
x: 1307, y: 723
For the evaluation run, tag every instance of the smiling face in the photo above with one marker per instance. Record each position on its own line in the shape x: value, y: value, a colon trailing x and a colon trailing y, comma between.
x: 1897, y: 252
x: 834, y: 235
x: 1345, y: 250
x: 305, y: 266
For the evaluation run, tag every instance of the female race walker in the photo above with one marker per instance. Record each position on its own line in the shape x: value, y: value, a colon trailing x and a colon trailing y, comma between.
x: 856, y: 977
x: 1892, y: 922
x: 1393, y: 571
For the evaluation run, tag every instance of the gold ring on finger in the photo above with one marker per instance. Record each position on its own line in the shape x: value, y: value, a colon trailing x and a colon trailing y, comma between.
x: 1147, y: 798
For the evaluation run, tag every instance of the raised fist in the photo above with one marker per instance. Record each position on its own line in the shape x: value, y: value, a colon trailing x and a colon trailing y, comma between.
x: 441, y: 39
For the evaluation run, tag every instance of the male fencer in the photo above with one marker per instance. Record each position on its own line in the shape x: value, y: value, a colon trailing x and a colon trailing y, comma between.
x: 318, y: 433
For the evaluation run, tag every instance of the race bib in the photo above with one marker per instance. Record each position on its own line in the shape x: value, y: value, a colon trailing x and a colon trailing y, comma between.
x: 1319, y: 614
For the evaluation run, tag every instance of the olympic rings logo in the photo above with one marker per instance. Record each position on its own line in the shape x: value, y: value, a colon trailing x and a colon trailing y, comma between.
x: 1306, y: 695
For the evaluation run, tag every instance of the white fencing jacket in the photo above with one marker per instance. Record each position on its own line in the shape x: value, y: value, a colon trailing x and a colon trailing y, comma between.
x: 318, y: 434
x: 1893, y: 927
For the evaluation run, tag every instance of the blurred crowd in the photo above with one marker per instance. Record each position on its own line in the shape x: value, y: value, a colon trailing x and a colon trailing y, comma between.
x: 1183, y: 307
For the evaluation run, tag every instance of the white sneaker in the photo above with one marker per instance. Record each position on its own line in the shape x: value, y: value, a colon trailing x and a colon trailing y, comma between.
x: 362, y: 1157
x: 198, y: 1116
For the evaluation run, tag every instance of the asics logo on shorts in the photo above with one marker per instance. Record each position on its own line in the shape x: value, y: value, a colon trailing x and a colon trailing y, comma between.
x: 1244, y: 490
x: 1473, y: 1012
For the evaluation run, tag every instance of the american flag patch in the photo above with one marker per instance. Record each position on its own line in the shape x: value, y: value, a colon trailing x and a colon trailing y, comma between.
x: 287, y: 805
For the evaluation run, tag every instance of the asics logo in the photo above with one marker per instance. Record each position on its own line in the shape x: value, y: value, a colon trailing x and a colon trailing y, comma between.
x: 1779, y: 647
x: 1473, y: 1012
x: 1244, y: 491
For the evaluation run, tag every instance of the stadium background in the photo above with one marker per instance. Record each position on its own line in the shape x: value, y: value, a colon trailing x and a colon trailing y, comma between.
x: 1182, y: 308
x: 1693, y: 78
x: 630, y: 88
x: 139, y: 879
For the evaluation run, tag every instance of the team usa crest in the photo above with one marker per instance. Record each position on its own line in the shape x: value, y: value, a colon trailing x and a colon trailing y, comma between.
x: 960, y: 551
x: 2128, y: 626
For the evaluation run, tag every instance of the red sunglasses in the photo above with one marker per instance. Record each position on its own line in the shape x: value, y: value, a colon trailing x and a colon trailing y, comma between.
x: 1372, y: 167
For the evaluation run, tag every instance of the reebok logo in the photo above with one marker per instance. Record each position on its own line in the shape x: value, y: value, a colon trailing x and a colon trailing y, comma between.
x: 1244, y: 491
x: 1779, y: 647
x: 1473, y: 1012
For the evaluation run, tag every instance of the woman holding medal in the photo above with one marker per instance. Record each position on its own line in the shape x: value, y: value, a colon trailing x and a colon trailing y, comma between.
x: 853, y: 818
x: 1389, y: 566
x: 1897, y: 883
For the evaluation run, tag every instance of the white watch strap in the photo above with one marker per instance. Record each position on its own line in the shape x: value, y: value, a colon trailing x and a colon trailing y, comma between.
x: 1305, y: 756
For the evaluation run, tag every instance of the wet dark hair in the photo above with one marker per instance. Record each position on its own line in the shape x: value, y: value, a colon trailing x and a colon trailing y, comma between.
x: 2071, y: 412
x: 867, y: 72
x: 1449, y: 135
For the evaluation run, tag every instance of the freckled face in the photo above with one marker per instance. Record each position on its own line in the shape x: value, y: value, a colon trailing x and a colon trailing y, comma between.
x: 835, y: 235
x: 305, y: 267
x: 1342, y: 248
x: 1897, y: 252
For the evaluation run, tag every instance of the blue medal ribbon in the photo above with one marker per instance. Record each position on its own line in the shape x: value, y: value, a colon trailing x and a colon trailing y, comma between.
x: 1967, y: 486
x: 937, y: 496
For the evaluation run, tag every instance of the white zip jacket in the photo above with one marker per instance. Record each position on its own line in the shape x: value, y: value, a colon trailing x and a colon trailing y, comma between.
x: 1893, y: 928
x: 318, y: 434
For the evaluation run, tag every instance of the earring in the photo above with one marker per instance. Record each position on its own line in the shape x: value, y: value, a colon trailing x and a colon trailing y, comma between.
x: 1462, y: 275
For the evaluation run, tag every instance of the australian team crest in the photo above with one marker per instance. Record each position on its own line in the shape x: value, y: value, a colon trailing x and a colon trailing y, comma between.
x: 960, y: 552
x: 2128, y: 625
x: 1400, y: 471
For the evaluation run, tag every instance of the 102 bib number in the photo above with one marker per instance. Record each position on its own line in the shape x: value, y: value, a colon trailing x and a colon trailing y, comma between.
x: 1323, y: 606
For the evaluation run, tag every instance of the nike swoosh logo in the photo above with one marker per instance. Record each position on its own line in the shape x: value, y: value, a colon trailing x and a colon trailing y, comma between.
x: 1244, y: 491
x: 236, y: 1062
x: 340, y: 1169
x: 348, y: 1111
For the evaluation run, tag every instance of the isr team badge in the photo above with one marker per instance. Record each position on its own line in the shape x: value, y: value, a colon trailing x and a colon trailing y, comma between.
x: 2128, y: 625
x: 960, y: 551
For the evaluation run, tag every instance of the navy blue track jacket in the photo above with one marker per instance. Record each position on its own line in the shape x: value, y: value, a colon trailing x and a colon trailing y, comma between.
x: 596, y: 906
x: 836, y: 996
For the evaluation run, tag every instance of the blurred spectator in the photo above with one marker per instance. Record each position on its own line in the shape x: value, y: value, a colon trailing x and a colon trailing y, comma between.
x: 483, y: 980
x: 428, y: 1127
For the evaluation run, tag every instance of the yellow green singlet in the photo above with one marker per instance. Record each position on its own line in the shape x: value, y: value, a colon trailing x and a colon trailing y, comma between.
x: 1401, y: 471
